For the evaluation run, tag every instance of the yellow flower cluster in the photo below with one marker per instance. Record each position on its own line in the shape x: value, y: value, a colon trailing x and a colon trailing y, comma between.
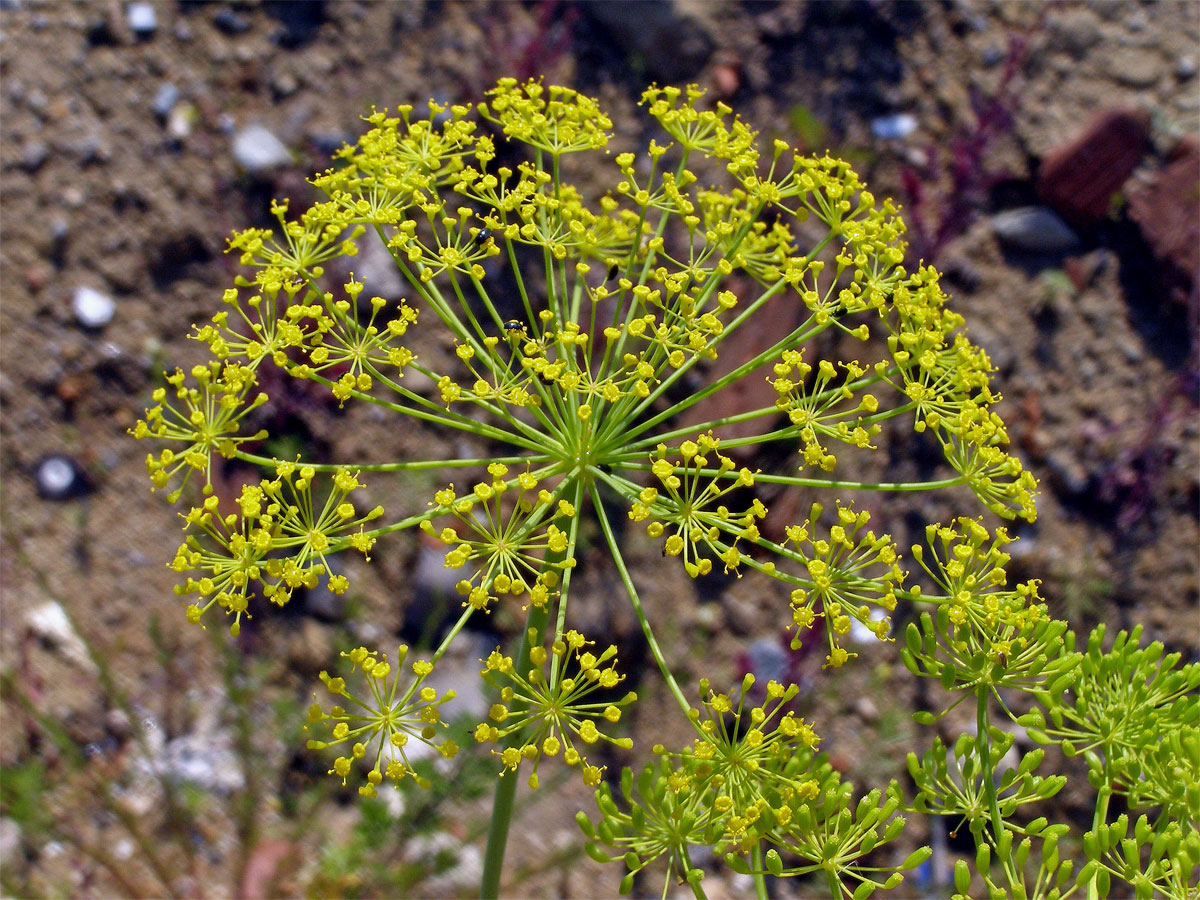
x: 550, y: 705
x: 275, y: 542
x: 506, y: 539
x: 381, y: 724
x: 687, y: 510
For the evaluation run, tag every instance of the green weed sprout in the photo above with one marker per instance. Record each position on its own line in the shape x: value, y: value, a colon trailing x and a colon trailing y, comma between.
x: 584, y: 330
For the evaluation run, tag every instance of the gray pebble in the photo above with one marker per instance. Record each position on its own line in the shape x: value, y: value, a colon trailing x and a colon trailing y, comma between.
x: 256, y: 149
x: 1034, y: 229
x: 1076, y: 31
x: 10, y: 843
x: 230, y: 22
x: 1130, y: 348
x: 1066, y: 473
x: 34, y: 155
x: 1138, y: 67
x: 165, y: 99
x: 993, y: 55
x: 1136, y: 20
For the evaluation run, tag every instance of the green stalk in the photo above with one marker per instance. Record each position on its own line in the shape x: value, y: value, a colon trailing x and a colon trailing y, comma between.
x: 760, y: 880
x: 651, y: 641
x: 984, y: 743
x: 1100, y: 817
x: 506, y: 784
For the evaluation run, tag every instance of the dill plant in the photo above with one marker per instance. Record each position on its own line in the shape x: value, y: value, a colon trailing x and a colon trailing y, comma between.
x: 623, y: 303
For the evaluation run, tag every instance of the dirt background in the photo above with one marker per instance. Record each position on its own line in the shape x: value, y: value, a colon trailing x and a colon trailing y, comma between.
x: 118, y: 173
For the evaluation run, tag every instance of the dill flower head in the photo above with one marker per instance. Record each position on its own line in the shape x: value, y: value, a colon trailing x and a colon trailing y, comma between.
x: 568, y: 310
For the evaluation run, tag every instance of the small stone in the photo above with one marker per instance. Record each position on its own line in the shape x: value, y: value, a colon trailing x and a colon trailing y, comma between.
x: 727, y: 77
x: 894, y: 127
x: 71, y: 388
x: 377, y: 270
x: 92, y: 309
x: 672, y: 44
x: 1138, y: 67
x: 229, y: 22
x: 10, y: 843
x: 1034, y: 229
x: 1135, y: 21
x: 1074, y: 30
x: 141, y: 18
x: 1066, y: 473
x: 866, y: 709
x: 180, y: 121
x: 165, y: 99
x: 327, y: 142
x: 765, y: 659
x: 1185, y: 67
x: 256, y: 150
x: 34, y: 155
x: 993, y: 55
x: 1130, y: 348
x: 860, y: 633
x: 50, y: 623
x: 36, y: 278
x: 58, y: 478
x: 284, y: 84
x: 1078, y: 179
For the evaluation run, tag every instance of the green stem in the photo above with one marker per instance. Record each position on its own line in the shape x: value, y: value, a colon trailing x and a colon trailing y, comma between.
x: 506, y: 784
x: 831, y: 879
x: 493, y: 859
x: 760, y: 879
x: 1100, y: 817
x: 651, y: 641
x: 984, y: 743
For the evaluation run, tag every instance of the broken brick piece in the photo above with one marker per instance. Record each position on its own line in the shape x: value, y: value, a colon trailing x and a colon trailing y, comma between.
x: 1078, y: 179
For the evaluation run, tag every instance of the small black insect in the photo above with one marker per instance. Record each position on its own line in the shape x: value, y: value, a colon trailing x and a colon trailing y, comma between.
x: 481, y: 236
x: 612, y: 272
x: 514, y: 328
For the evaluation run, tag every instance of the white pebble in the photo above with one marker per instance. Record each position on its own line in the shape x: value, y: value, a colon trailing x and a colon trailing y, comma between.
x: 179, y: 121
x: 894, y: 127
x: 92, y: 308
x: 55, y: 476
x: 49, y: 622
x: 141, y: 17
x: 256, y: 149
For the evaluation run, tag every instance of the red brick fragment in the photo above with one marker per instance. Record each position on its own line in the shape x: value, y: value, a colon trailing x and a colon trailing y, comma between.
x: 1078, y: 179
x: 1167, y: 210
